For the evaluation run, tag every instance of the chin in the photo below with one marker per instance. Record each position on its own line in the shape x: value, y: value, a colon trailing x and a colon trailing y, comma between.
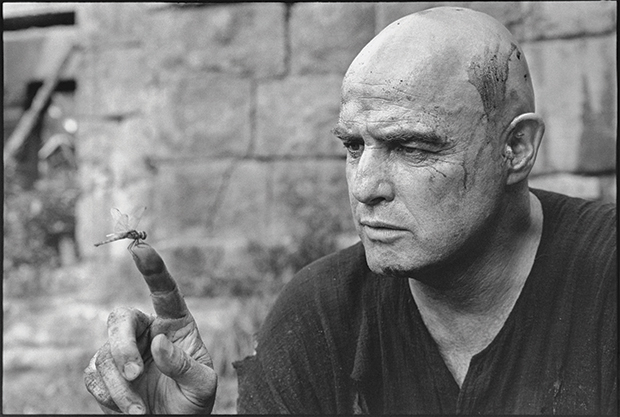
x: 401, y: 264
x: 384, y: 265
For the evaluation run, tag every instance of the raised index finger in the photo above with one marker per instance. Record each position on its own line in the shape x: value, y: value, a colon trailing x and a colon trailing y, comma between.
x: 167, y: 300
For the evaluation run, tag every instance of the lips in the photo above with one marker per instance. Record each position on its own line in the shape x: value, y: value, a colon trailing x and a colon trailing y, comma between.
x: 379, y: 225
x: 379, y: 231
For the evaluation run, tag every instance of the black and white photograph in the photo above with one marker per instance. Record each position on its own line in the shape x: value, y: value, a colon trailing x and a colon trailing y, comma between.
x: 310, y: 208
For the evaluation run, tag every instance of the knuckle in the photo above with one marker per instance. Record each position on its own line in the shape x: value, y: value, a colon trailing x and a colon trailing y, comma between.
x: 129, y: 315
x: 118, y: 314
x: 98, y: 390
x: 90, y: 369
x: 102, y: 355
x: 90, y: 381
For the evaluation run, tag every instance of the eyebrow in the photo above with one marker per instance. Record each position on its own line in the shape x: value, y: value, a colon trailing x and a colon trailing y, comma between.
x: 342, y: 134
x: 396, y: 136
x: 411, y: 136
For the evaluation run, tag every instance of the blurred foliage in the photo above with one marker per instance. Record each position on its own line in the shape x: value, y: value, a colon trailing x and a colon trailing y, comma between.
x: 35, y: 221
x: 271, y: 265
x: 50, y: 340
x: 237, y: 339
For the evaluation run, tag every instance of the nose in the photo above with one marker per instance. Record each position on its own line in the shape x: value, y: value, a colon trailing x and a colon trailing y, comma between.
x: 370, y: 179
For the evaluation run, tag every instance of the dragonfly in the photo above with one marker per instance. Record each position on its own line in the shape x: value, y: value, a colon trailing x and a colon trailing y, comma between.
x: 125, y: 227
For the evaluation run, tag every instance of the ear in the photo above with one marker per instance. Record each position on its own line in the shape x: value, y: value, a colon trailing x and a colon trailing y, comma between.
x: 523, y: 138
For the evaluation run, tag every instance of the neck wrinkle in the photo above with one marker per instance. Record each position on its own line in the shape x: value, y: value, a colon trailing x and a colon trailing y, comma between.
x: 489, y: 281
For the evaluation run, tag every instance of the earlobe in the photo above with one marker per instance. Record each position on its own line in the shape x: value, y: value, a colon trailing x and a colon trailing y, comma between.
x: 524, y: 135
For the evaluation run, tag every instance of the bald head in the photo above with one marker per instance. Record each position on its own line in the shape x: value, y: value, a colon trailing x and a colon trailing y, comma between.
x: 437, y: 119
x: 448, y: 54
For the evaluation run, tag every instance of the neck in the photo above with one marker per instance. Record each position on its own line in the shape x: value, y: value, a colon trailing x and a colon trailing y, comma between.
x: 490, y: 280
x: 465, y: 307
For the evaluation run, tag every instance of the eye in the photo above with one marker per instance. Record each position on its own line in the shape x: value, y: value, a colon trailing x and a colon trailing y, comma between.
x: 405, y: 149
x: 408, y: 150
x: 412, y: 153
x: 354, y: 148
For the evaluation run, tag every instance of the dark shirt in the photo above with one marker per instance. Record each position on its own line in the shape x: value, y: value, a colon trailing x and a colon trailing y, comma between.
x: 341, y: 339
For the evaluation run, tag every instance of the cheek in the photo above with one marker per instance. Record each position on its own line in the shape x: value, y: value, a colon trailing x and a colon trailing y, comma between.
x: 486, y: 177
x: 442, y: 185
x: 349, y: 176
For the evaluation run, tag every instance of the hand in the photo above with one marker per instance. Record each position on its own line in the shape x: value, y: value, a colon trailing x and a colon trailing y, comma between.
x: 153, y: 364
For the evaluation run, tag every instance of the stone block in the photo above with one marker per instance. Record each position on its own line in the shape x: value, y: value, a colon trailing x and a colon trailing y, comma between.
x: 325, y: 37
x: 111, y: 23
x: 200, y: 115
x: 95, y: 139
x: 508, y: 13
x: 242, y: 39
x: 225, y: 198
x: 572, y: 185
x: 189, y: 262
x: 295, y: 116
x: 186, y: 196
x: 93, y: 221
x: 576, y: 94
x: 113, y: 82
x: 199, y: 267
x: 114, y: 154
x: 130, y: 159
x: 243, y: 201
x: 87, y: 91
x: 309, y: 197
x: 567, y: 19
x: 390, y: 12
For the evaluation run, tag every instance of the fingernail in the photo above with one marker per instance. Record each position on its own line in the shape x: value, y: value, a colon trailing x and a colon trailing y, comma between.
x: 131, y: 370
x: 136, y: 409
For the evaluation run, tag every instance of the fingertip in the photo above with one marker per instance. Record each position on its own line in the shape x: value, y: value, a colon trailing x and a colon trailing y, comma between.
x: 153, y: 269
x: 147, y: 259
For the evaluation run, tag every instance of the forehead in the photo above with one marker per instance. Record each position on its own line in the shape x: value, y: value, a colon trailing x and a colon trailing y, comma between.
x: 417, y: 71
x: 413, y: 85
x: 385, y: 106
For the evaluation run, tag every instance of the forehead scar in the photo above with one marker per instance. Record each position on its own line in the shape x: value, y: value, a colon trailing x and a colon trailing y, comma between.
x: 489, y: 74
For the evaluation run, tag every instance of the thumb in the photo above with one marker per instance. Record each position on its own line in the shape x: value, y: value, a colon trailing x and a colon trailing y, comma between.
x: 195, y: 380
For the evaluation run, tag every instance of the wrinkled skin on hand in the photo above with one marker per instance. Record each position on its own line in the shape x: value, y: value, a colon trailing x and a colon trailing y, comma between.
x: 153, y: 364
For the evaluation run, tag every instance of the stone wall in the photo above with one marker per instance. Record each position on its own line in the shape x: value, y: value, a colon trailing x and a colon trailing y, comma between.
x: 217, y: 118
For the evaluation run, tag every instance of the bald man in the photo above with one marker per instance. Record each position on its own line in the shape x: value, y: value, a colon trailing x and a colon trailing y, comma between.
x: 468, y: 293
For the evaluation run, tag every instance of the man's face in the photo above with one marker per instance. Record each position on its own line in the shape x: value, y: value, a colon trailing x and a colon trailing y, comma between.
x: 424, y: 175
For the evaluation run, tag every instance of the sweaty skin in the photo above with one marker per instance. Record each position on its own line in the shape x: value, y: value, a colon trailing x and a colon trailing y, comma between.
x: 446, y: 83
x: 437, y: 118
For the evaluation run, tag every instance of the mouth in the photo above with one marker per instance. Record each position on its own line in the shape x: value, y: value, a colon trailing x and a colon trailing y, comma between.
x: 378, y: 231
x: 376, y: 224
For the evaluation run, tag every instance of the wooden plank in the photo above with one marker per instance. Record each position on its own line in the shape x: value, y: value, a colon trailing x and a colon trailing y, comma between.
x: 30, y: 116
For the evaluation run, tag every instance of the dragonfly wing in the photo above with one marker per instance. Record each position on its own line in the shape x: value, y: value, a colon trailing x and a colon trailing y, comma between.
x: 121, y: 221
x: 135, y: 217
